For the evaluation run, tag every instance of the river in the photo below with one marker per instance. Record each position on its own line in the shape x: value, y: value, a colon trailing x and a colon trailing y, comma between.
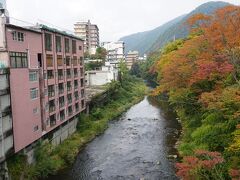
x: 136, y: 146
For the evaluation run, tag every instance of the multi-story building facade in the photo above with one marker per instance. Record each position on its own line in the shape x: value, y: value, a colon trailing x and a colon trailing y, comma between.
x: 115, y: 51
x: 6, y: 127
x: 42, y: 89
x: 89, y: 33
x: 131, y: 58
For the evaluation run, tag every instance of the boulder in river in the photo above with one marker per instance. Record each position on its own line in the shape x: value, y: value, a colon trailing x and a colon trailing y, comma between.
x: 172, y: 156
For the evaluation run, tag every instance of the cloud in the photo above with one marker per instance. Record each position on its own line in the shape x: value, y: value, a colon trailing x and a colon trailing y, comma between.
x: 114, y: 18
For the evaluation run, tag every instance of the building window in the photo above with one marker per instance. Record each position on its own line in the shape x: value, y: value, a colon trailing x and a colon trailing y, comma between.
x: 82, y: 103
x: 58, y: 44
x: 51, y: 91
x: 61, y: 102
x: 75, y: 84
x: 67, y: 47
x: 80, y: 48
x: 50, y: 74
x: 81, y: 82
x: 33, y: 76
x: 48, y: 42
x: 76, y: 107
x: 34, y: 93
x: 61, y: 88
x: 18, y: 60
x: 62, y: 115
x: 49, y: 60
x: 52, y: 106
x: 69, y: 73
x: 69, y: 86
x: 53, y: 120
x: 60, y: 74
x: 69, y: 98
x: 68, y: 61
x: 74, y: 47
x: 35, y: 128
x: 70, y: 111
x: 82, y: 93
x: 81, y: 61
x: 76, y: 95
x: 18, y: 36
x: 35, y: 110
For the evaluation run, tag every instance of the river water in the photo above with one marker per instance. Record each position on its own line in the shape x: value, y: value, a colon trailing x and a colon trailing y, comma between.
x: 136, y: 146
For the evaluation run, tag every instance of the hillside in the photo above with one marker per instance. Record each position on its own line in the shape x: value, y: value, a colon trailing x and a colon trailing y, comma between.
x: 148, y: 41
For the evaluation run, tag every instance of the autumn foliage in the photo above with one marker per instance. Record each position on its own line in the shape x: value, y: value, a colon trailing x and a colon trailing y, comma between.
x: 203, y: 163
x: 201, y: 76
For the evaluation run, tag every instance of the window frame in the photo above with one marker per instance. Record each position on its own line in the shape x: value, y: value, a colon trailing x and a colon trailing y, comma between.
x: 34, y: 93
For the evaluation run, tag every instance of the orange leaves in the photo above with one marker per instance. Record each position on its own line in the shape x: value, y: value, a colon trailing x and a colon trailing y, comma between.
x: 222, y: 30
x: 195, y: 19
x: 202, y: 57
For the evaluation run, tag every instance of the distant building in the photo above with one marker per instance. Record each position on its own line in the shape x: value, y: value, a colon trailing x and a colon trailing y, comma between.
x: 89, y: 33
x: 142, y: 58
x: 131, y: 58
x: 115, y: 51
x: 101, y: 76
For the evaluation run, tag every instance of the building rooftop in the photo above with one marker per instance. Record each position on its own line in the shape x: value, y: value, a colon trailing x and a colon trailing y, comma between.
x: 40, y: 27
x: 47, y: 28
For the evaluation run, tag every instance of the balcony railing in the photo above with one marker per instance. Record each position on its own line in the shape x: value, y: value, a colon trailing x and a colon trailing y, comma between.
x: 70, y: 113
x: 69, y: 88
x: 52, y: 122
x: 61, y: 91
x: 69, y: 76
x: 75, y: 62
x: 52, y: 109
x: 61, y: 104
x: 60, y: 62
x: 76, y: 97
x: 4, y: 91
x: 6, y: 111
x: 69, y: 101
x: 75, y: 86
x: 49, y: 63
x: 62, y: 117
x: 51, y: 93
x: 4, y: 71
x: 60, y: 77
x: 50, y: 76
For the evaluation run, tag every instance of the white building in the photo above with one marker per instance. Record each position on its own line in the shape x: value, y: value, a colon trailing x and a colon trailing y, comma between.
x: 115, y: 51
x: 101, y: 77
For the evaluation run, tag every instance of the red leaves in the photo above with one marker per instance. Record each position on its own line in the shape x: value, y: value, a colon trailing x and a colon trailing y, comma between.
x: 235, y: 174
x: 209, y: 70
x: 201, y: 160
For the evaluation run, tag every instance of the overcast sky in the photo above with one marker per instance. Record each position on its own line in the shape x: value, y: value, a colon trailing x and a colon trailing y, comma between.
x: 115, y: 18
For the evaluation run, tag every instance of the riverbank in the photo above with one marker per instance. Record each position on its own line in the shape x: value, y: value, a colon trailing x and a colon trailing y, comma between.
x: 49, y: 159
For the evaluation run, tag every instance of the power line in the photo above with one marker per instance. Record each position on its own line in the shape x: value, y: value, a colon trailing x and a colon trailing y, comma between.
x: 26, y: 22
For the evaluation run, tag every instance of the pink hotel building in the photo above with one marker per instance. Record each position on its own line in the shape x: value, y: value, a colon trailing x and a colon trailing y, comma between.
x: 42, y: 88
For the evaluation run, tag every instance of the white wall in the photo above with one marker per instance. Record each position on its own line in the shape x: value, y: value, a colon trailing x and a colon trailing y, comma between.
x: 99, y: 78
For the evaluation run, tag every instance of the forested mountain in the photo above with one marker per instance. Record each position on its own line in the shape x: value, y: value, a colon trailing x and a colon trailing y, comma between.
x: 148, y: 41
